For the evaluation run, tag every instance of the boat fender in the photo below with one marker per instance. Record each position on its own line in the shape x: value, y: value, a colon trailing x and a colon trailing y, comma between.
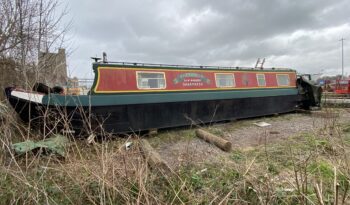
x: 58, y: 90
x: 42, y: 88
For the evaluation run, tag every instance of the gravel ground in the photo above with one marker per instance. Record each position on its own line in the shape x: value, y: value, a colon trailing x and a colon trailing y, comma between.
x: 244, y: 134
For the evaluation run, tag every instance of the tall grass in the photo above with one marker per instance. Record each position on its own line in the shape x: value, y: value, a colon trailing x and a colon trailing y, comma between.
x: 312, y: 168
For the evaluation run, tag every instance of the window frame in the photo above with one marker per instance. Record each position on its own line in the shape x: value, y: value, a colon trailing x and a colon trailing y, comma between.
x: 233, y: 80
x: 278, y: 83
x: 153, y: 72
x: 257, y: 79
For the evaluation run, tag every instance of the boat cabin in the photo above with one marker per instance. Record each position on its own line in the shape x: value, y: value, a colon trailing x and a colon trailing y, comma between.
x: 115, y: 78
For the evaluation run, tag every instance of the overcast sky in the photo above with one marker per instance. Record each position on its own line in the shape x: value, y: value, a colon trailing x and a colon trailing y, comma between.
x: 299, y: 34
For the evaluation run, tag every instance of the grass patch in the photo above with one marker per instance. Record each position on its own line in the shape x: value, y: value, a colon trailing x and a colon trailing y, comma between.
x: 104, y: 173
x: 237, y: 155
x: 170, y: 137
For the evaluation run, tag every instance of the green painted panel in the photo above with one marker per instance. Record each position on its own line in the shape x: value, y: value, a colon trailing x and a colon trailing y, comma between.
x: 144, y: 98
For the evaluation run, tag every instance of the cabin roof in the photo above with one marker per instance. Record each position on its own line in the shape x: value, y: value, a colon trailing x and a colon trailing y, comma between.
x: 184, y: 67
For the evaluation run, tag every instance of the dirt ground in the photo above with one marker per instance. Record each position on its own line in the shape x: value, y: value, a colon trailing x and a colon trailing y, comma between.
x: 243, y: 134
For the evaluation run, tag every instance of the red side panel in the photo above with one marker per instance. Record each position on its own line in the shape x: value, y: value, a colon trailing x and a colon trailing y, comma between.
x: 116, y: 79
x: 112, y: 79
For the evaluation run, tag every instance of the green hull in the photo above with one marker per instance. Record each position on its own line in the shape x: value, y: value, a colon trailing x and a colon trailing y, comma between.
x: 146, y: 98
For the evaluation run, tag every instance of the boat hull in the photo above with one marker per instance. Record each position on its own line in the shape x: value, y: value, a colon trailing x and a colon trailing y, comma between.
x: 140, y: 117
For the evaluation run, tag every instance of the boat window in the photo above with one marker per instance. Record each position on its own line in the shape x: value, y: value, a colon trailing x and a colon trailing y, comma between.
x: 224, y: 80
x: 282, y: 79
x: 150, y: 80
x: 261, y: 79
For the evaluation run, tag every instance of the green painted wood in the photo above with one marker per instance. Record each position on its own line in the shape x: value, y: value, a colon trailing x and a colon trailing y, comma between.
x: 184, y: 67
x: 144, y: 98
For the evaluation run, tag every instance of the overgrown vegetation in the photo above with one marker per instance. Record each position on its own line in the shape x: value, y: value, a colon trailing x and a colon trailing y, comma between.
x: 310, y: 168
x: 29, y: 31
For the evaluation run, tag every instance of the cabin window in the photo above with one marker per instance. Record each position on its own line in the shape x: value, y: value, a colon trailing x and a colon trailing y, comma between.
x: 282, y: 80
x: 224, y: 80
x: 261, y: 79
x: 150, y: 80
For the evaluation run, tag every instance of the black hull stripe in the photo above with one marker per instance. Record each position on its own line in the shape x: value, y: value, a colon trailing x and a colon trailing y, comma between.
x: 139, y: 117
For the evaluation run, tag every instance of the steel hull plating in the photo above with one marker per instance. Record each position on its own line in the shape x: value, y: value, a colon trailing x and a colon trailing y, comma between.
x: 139, y: 117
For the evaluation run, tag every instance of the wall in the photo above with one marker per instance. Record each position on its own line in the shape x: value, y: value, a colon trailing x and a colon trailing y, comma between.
x: 51, y: 70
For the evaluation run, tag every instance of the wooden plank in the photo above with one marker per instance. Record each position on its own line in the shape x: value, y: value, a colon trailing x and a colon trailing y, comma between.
x: 152, y: 157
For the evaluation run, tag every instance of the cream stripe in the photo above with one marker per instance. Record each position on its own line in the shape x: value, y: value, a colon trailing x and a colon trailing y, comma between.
x: 33, y: 97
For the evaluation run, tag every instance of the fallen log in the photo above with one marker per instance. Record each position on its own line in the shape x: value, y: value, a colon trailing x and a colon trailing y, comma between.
x: 152, y: 156
x: 213, y: 139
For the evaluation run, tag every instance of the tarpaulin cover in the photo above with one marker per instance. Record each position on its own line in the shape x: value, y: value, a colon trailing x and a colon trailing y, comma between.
x: 56, y: 145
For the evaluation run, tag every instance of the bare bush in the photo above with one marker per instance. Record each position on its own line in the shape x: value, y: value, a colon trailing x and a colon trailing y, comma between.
x: 27, y: 28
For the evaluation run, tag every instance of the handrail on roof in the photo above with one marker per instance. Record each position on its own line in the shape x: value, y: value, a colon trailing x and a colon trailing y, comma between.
x: 187, y: 66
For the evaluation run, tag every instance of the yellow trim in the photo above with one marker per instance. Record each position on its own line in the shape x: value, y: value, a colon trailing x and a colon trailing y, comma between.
x: 187, y: 90
x: 98, y: 81
x: 137, y: 80
x: 184, y: 90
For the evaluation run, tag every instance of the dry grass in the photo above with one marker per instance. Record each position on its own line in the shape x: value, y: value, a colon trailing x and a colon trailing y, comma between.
x: 312, y: 168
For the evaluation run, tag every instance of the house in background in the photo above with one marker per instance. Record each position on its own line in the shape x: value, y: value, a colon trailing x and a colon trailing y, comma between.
x: 52, y: 68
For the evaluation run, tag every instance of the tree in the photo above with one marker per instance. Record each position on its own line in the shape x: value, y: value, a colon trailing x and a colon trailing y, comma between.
x: 28, y: 27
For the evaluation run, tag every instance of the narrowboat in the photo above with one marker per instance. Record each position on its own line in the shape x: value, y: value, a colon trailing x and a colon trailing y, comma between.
x: 134, y: 97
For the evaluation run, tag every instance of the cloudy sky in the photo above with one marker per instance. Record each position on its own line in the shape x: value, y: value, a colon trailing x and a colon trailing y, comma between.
x: 299, y: 34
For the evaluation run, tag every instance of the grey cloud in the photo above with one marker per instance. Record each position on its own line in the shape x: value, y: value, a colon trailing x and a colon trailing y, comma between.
x: 209, y: 32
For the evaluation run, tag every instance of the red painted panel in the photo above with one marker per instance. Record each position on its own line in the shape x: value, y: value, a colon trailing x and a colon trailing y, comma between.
x: 270, y: 79
x: 116, y: 79
x: 245, y: 79
x: 293, y: 79
x: 124, y: 79
x: 178, y: 80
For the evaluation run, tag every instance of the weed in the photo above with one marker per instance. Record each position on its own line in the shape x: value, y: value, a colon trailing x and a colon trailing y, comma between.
x: 237, y: 155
